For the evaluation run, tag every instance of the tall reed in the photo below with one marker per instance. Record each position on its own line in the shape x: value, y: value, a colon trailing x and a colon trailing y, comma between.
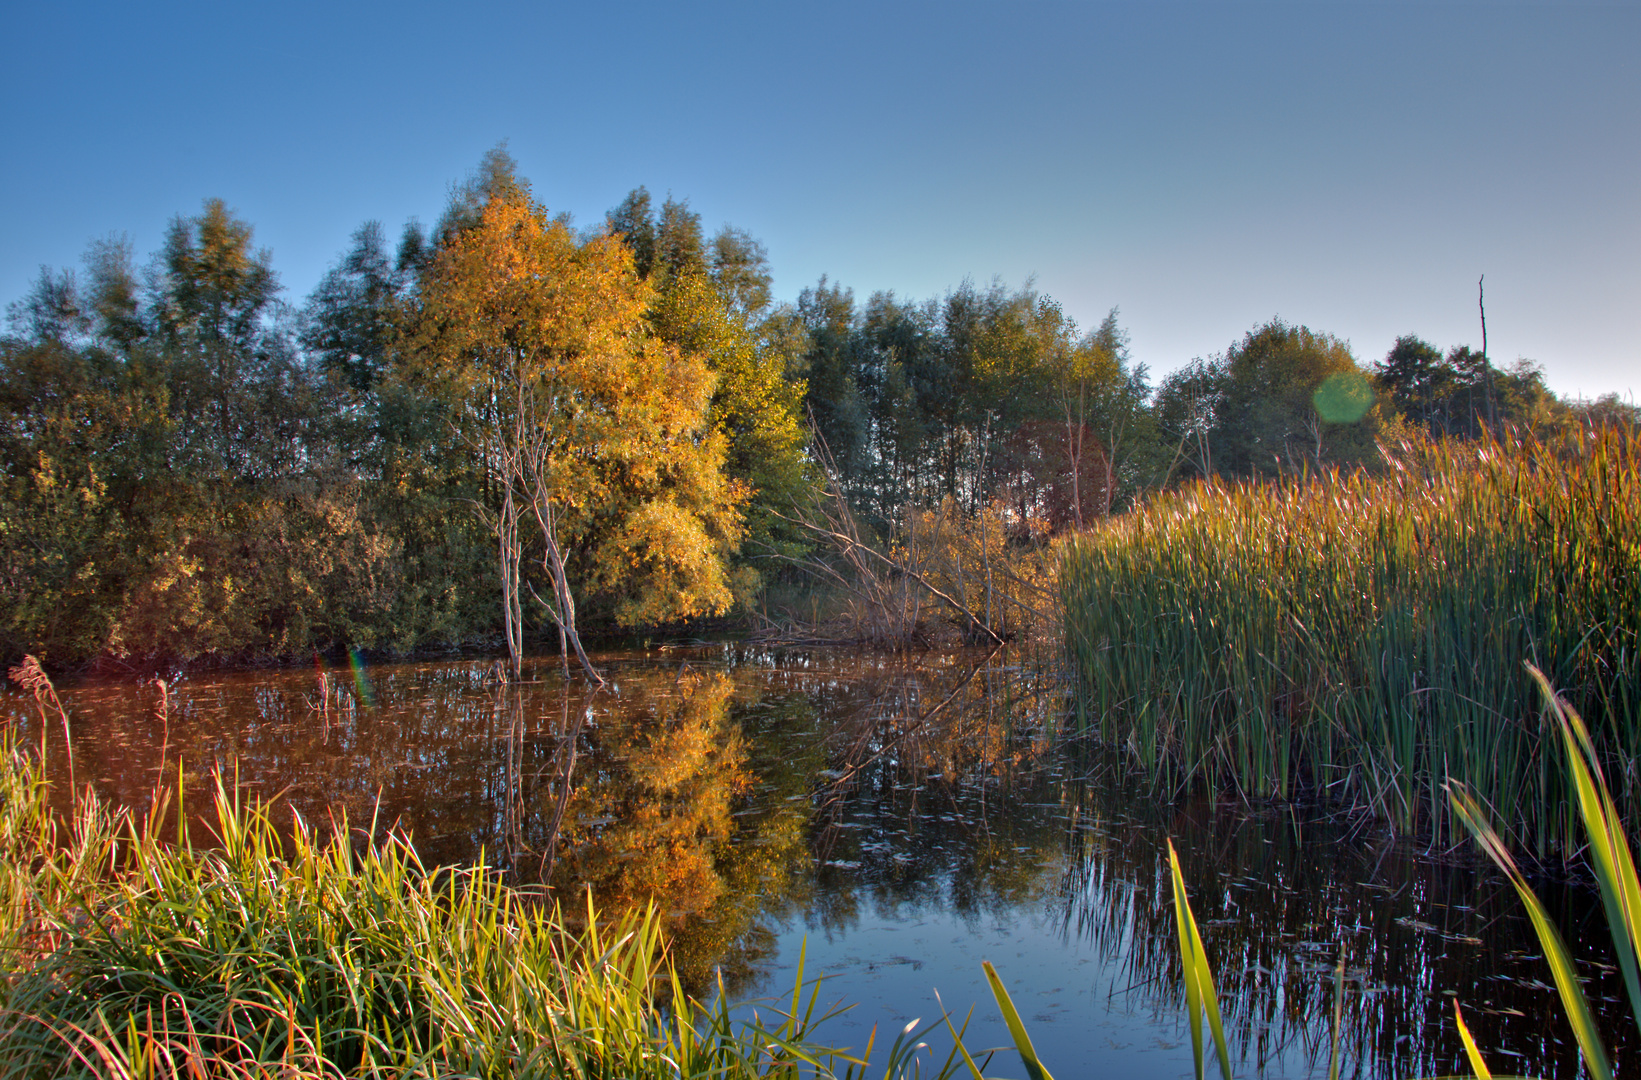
x: 297, y: 952
x: 1361, y: 635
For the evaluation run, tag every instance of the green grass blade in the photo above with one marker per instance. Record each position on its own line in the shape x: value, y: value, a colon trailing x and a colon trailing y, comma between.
x: 1017, y: 1027
x: 957, y: 1038
x: 1200, y: 994
x: 1477, y: 1065
x: 1470, y: 813
x: 1338, y: 1015
x: 1609, y: 848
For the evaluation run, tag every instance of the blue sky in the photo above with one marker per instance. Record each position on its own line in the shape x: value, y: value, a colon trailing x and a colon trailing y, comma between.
x: 1203, y: 166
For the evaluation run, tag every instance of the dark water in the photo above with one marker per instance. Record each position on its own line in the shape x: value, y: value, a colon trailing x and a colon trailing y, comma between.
x: 901, y: 820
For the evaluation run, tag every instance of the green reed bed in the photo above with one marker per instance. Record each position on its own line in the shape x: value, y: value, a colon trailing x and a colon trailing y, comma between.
x: 271, y: 952
x: 1362, y: 636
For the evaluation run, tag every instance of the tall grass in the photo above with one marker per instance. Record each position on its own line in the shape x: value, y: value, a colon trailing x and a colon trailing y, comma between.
x: 1361, y: 635
x: 298, y: 952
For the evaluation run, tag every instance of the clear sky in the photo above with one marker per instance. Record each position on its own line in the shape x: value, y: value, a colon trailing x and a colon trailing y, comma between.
x: 1355, y: 167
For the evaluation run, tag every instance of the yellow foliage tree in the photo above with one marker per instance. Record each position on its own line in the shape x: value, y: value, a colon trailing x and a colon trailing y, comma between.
x: 581, y: 420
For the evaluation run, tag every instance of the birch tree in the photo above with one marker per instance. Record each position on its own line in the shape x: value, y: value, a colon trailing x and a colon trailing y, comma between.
x: 592, y: 435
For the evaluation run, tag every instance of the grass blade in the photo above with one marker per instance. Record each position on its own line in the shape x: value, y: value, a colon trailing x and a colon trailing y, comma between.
x: 1200, y: 995
x: 1338, y: 1015
x: 1477, y: 1065
x: 1470, y: 813
x: 957, y: 1038
x: 1609, y: 848
x: 1017, y: 1027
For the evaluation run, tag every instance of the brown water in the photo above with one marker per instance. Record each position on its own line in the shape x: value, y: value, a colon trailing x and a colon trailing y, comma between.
x: 900, y: 819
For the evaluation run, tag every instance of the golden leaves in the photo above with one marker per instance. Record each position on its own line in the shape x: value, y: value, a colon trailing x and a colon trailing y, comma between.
x: 541, y: 343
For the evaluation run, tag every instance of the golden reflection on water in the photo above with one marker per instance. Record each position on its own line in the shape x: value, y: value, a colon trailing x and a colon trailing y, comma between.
x: 647, y: 793
x: 755, y: 794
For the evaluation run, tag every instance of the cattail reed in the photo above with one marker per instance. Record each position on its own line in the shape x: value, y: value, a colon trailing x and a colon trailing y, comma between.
x: 1361, y: 637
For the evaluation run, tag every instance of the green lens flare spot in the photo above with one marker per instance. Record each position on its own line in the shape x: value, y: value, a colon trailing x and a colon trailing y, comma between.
x: 1344, y: 397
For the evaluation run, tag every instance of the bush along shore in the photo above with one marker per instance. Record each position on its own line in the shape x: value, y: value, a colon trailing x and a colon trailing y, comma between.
x: 1360, y: 637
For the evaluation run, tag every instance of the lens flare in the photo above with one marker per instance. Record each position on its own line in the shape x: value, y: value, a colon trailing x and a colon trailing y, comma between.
x: 361, y: 681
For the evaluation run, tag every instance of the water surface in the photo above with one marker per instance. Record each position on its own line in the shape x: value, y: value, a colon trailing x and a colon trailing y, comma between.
x: 897, y: 819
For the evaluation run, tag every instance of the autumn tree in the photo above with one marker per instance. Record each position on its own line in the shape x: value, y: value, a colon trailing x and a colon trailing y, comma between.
x: 584, y: 424
x: 707, y: 298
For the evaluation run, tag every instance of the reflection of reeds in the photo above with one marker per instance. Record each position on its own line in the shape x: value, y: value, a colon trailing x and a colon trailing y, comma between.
x: 1360, y: 636
x: 1611, y: 859
x: 1280, y: 901
x: 1615, y: 874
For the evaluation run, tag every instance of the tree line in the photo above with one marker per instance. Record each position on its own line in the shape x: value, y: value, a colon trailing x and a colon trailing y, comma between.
x: 502, y: 427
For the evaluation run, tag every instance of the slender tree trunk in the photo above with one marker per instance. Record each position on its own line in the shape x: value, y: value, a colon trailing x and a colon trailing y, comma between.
x: 562, y: 610
x: 1486, y: 364
x: 510, y: 554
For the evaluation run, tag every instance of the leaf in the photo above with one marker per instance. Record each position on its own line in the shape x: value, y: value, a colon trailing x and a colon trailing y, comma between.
x: 1017, y: 1027
x: 1555, y: 951
x: 1200, y: 994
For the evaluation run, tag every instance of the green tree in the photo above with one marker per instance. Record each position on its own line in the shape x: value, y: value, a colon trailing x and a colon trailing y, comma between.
x: 1184, y: 410
x: 1289, y: 399
x: 357, y: 313
x: 63, y: 545
x: 213, y: 299
x: 634, y: 222
x: 1442, y: 395
x: 906, y: 366
x: 1102, y: 399
x: 1525, y: 401
x: 832, y: 371
x: 113, y: 302
x: 1608, y: 410
x: 740, y: 269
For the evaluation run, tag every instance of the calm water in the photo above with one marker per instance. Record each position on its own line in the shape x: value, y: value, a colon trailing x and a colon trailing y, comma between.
x: 901, y: 820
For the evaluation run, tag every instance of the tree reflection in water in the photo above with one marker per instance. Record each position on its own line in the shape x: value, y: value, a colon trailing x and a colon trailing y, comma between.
x: 757, y: 795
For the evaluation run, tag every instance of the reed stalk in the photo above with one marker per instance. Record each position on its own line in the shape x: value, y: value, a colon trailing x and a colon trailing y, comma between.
x: 1359, y: 636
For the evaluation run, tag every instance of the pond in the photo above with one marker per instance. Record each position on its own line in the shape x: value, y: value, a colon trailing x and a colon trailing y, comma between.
x: 894, y: 820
